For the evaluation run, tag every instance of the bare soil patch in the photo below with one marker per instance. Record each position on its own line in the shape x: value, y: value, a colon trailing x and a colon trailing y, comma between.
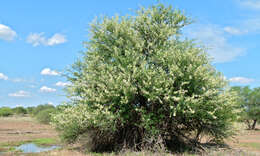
x: 15, y: 129
x: 246, y: 140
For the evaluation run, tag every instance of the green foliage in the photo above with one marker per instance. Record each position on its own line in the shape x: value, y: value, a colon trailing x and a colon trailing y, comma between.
x: 20, y: 110
x: 40, y: 108
x: 44, y: 141
x: 139, y: 86
x: 44, y: 116
x: 30, y: 110
x: 249, y: 102
x: 6, y: 111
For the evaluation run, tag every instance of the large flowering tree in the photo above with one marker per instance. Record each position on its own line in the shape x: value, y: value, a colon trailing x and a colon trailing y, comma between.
x: 140, y: 84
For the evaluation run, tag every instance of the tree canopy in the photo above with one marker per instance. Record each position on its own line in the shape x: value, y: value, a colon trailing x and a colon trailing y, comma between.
x: 140, y: 84
x: 249, y: 102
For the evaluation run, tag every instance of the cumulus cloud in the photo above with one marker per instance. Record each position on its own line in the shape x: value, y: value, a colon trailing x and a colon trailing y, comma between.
x: 62, y: 84
x: 251, y: 4
x: 46, y: 89
x: 234, y: 31
x: 242, y: 80
x: 6, y: 33
x: 3, y: 76
x: 245, y: 27
x: 20, y: 93
x: 216, y: 41
x: 56, y: 39
x: 50, y: 103
x: 48, y: 71
x: 37, y: 39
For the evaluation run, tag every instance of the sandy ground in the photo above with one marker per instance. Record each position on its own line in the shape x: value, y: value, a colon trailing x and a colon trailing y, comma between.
x: 13, y: 129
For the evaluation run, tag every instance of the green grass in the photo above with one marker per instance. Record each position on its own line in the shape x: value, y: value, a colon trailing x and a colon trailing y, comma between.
x: 45, y: 141
x: 253, y: 145
x: 7, y: 149
x: 9, y: 144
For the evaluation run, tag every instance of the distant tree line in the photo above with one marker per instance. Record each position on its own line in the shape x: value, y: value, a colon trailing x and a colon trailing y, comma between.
x: 41, y: 112
x: 249, y: 105
x: 7, y: 111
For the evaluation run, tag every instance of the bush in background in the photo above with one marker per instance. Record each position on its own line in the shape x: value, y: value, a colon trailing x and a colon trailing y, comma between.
x: 40, y: 108
x: 20, y: 110
x: 44, y: 116
x: 30, y: 110
x: 6, y: 111
x: 249, y: 103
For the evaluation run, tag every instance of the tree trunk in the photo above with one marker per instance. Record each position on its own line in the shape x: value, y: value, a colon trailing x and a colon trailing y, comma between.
x: 198, y: 135
x: 248, y: 124
x: 254, y: 124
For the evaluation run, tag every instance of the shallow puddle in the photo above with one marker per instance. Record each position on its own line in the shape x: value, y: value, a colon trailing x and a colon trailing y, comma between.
x: 33, y: 148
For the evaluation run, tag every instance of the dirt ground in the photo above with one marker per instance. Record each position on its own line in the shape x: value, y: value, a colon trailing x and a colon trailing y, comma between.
x: 247, y: 140
x: 14, y: 129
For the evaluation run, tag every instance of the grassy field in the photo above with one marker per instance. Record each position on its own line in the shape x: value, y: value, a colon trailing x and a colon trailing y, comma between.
x: 15, y: 131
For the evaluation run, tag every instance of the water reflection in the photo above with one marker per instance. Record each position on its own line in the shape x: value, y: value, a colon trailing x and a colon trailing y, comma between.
x: 33, y: 148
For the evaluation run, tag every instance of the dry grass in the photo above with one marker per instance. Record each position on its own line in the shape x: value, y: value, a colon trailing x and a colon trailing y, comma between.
x: 246, y: 140
x: 15, y: 129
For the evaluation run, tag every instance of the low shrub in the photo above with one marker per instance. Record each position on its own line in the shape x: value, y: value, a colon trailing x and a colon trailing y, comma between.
x: 30, y: 110
x: 6, y: 111
x: 19, y: 110
x: 44, y: 116
x: 40, y: 108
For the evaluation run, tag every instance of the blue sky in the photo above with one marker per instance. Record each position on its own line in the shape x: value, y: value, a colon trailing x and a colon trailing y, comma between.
x: 40, y: 39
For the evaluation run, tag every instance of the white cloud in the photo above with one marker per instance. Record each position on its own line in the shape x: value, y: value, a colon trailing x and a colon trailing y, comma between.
x: 3, y: 76
x: 37, y: 39
x: 216, y: 41
x: 6, y: 33
x: 48, y: 71
x: 50, y: 103
x: 62, y: 84
x: 242, y: 80
x: 56, y: 39
x: 47, y: 89
x: 245, y: 27
x: 234, y: 31
x: 251, y: 4
x: 20, y: 93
